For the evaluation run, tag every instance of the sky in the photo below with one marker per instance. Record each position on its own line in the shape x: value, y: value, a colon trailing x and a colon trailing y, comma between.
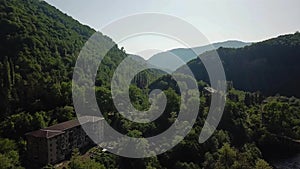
x: 218, y: 20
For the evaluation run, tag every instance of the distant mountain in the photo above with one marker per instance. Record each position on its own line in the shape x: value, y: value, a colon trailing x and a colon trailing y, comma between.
x: 271, y: 66
x: 141, y: 60
x: 137, y: 58
x: 170, y: 63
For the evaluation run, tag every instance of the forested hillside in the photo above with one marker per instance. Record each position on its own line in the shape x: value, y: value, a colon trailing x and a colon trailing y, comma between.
x: 39, y: 46
x: 271, y: 66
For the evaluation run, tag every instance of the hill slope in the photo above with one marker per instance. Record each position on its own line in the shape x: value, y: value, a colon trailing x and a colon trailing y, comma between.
x: 271, y: 66
x: 39, y: 46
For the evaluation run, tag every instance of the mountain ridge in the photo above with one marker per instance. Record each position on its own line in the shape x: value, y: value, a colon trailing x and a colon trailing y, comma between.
x: 167, y: 61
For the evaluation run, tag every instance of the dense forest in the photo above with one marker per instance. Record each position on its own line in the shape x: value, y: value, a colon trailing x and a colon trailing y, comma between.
x: 39, y: 46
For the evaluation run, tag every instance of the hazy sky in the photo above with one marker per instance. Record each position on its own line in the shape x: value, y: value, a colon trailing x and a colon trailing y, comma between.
x: 218, y: 20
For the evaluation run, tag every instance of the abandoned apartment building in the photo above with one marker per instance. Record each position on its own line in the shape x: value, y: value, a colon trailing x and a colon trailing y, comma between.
x: 56, y: 143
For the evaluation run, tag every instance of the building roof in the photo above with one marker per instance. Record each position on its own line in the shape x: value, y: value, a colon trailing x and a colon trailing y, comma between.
x: 44, y: 133
x: 60, y: 128
x: 64, y: 126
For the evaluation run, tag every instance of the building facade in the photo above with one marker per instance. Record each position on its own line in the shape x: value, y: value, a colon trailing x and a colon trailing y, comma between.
x: 56, y: 143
